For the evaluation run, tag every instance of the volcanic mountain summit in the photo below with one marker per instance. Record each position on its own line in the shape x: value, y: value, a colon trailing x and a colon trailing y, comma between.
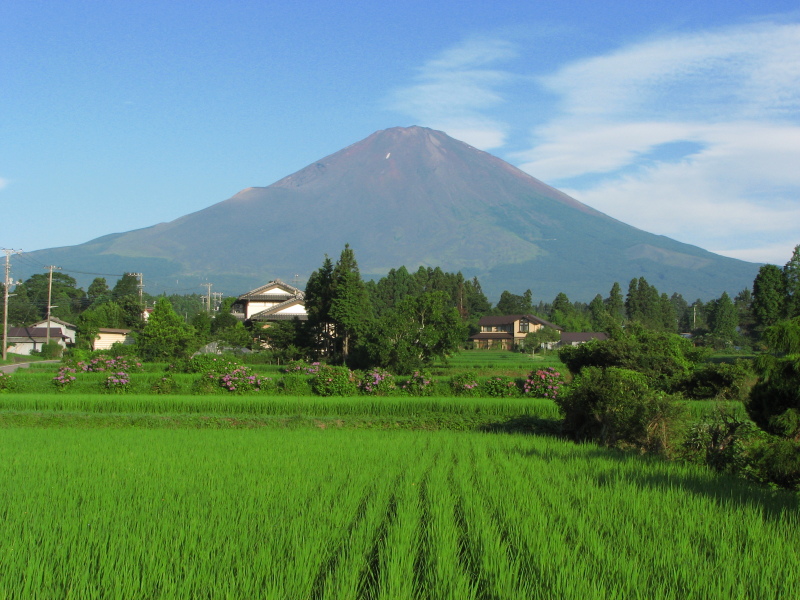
x: 415, y: 197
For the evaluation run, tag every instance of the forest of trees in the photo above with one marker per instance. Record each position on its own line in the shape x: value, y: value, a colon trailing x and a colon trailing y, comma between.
x: 405, y: 319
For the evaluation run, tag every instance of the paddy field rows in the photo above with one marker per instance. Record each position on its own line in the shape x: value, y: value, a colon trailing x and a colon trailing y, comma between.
x: 347, y: 513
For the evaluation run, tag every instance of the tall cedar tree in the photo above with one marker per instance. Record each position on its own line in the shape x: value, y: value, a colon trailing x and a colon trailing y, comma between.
x: 165, y: 337
x: 769, y: 295
x: 791, y: 274
x: 338, y: 306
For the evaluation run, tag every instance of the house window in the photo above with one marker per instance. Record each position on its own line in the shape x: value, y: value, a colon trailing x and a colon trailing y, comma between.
x: 523, y: 326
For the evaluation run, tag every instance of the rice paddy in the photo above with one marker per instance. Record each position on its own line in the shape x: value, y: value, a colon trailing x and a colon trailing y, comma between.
x: 329, y: 513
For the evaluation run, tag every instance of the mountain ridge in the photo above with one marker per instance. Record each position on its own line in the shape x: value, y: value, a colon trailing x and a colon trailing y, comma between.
x: 415, y: 197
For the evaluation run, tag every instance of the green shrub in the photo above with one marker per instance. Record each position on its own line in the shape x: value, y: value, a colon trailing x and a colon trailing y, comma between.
x: 464, y: 384
x: 51, y: 350
x: 6, y: 383
x: 719, y: 381
x: 334, y: 381
x: 774, y: 402
x: 665, y: 358
x: 205, y: 384
x: 419, y: 384
x: 779, y: 463
x: 617, y: 407
x: 295, y: 385
x: 207, y: 363
x: 165, y: 385
x: 723, y: 441
x: 296, y: 366
x: 500, y: 386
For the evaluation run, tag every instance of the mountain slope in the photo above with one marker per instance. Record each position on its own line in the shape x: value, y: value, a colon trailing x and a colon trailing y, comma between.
x: 412, y: 196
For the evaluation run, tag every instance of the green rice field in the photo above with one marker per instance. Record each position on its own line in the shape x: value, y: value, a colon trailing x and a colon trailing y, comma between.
x: 347, y: 514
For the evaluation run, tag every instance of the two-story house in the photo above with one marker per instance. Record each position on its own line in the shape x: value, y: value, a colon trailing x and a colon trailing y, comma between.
x: 275, y: 301
x: 507, y: 332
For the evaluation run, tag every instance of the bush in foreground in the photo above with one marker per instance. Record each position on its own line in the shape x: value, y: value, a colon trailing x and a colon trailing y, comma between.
x: 617, y: 407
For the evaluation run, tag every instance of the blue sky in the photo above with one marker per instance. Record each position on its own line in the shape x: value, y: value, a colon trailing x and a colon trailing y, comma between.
x: 681, y: 117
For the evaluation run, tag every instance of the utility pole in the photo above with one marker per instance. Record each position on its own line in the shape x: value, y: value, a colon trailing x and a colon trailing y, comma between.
x: 208, y: 287
x: 140, y: 277
x: 7, y: 283
x: 50, y: 297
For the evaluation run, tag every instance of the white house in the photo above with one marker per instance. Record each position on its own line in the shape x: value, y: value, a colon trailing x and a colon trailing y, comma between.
x: 276, y: 301
x: 24, y: 340
x: 68, y: 330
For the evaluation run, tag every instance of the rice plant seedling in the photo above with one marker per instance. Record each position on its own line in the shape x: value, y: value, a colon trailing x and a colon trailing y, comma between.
x: 137, y: 513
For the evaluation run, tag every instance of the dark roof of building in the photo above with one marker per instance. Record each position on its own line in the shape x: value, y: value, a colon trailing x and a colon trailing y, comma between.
x: 34, y: 333
x: 495, y: 335
x: 510, y: 319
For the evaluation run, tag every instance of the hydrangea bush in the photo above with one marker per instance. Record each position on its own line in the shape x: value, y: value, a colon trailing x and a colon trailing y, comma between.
x: 65, y: 378
x: 500, y: 386
x: 241, y: 380
x: 544, y: 383
x: 334, y: 381
x: 377, y: 382
x: 117, y: 383
x: 464, y: 384
x: 6, y: 384
x: 419, y: 384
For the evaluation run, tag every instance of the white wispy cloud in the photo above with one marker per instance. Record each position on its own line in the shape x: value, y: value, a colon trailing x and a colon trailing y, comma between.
x: 733, y: 93
x: 3, y: 183
x: 455, y: 91
x: 693, y: 135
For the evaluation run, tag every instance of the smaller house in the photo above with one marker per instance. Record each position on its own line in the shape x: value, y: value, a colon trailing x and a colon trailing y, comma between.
x: 107, y: 337
x: 25, y: 340
x: 275, y: 301
x: 68, y: 330
x: 508, y: 331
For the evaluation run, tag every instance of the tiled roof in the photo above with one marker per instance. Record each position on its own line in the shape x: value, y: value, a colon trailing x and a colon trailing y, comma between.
x: 271, y: 313
x: 497, y: 335
x: 274, y: 290
x: 34, y: 333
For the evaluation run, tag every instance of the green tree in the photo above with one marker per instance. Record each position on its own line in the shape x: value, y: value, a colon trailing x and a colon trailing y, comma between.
x: 513, y: 304
x: 419, y: 330
x: 165, y: 337
x: 615, y: 304
x: 543, y: 335
x: 126, y: 295
x: 791, y: 275
x: 98, y: 291
x: 350, y: 310
x: 774, y: 402
x: 769, y: 296
x: 644, y: 305
x: 723, y: 320
x: 30, y: 303
x: 339, y: 308
x: 601, y: 319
